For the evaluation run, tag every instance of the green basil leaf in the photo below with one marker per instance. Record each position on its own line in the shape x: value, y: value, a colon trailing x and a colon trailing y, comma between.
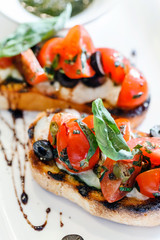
x: 91, y: 139
x: 108, y: 136
x: 29, y: 34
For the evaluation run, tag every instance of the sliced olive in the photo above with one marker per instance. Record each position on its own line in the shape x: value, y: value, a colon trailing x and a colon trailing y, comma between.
x: 94, y: 81
x: 44, y: 150
x: 96, y: 63
x: 155, y: 131
x: 64, y: 80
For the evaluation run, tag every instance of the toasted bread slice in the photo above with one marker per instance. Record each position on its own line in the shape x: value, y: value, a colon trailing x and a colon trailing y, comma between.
x: 129, y: 210
x: 24, y: 97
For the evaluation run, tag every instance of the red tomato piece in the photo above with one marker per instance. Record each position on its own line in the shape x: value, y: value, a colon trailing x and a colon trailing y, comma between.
x: 149, y: 183
x: 30, y: 68
x: 124, y: 127
x: 150, y: 148
x: 77, y: 46
x: 5, y: 62
x: 134, y: 90
x: 60, y: 118
x: 89, y: 121
x: 113, y: 187
x: 49, y: 50
x: 73, y: 141
x: 114, y: 64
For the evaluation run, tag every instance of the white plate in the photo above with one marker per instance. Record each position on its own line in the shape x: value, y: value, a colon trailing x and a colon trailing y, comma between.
x: 17, y: 13
x: 121, y: 30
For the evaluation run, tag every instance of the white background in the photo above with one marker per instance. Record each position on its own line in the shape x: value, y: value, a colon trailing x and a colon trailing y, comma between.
x: 130, y: 25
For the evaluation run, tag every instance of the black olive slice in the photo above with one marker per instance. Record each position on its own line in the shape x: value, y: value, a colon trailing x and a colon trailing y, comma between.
x: 43, y: 150
x: 155, y: 131
x: 96, y: 63
x: 94, y: 81
x: 64, y: 80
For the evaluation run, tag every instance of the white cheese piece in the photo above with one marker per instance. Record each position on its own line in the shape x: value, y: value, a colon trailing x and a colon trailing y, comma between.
x: 41, y: 129
x: 82, y: 94
x: 10, y: 72
x: 135, y: 194
x: 47, y: 88
x: 89, y: 177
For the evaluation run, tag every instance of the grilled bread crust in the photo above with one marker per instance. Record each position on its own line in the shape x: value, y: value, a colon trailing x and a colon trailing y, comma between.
x: 130, y: 211
x: 20, y: 96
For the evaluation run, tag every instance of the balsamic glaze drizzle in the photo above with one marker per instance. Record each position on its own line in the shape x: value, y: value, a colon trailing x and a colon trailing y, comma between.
x: 23, y: 199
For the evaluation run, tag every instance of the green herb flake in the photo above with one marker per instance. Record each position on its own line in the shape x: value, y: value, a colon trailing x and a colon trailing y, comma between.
x: 131, y: 170
x: 137, y: 95
x: 55, y: 61
x: 125, y: 189
x: 102, y: 173
x: 71, y: 61
x: 108, y: 136
x: 76, y: 132
x: 28, y: 35
x: 61, y: 71
x: 78, y: 71
x: 123, y: 129
x: 138, y: 163
x: 156, y: 194
x: 64, y: 158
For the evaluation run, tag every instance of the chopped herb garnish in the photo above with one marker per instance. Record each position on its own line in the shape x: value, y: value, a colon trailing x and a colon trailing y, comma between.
x: 137, y: 95
x: 125, y: 189
x: 103, y: 173
x: 131, y: 170
x: 78, y: 71
x: 156, y: 194
x: 138, y: 163
x: 71, y: 61
x: 76, y: 132
x: 64, y: 158
x: 55, y: 61
x: 61, y: 71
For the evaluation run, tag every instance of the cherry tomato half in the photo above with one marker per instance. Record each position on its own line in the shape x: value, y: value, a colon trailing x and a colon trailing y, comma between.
x: 118, y: 178
x: 134, y: 90
x: 149, y: 183
x: 114, y: 64
x: 150, y: 148
x: 124, y: 127
x: 59, y: 119
x: 73, y: 144
x: 77, y: 46
x: 49, y: 50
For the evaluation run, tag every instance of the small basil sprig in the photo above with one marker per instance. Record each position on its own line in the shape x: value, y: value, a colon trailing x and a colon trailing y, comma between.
x: 29, y: 34
x: 108, y: 136
x: 92, y: 142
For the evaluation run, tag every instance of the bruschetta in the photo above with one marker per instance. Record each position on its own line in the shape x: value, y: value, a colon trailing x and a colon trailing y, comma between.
x: 100, y: 164
x: 71, y: 72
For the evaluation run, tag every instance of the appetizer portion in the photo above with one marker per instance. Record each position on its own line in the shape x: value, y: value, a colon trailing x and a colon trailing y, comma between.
x: 100, y: 164
x: 71, y: 72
